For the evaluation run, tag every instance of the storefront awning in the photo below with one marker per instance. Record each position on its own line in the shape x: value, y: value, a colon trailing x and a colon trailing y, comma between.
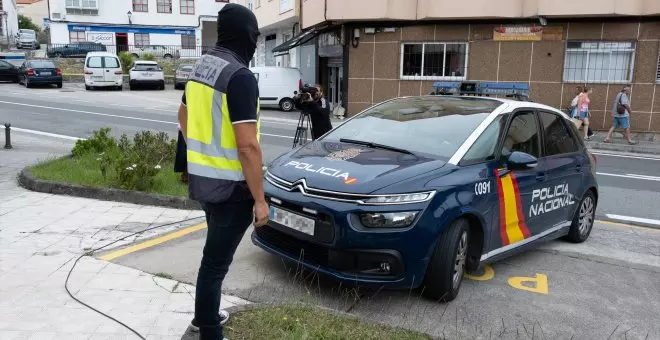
x: 294, y: 42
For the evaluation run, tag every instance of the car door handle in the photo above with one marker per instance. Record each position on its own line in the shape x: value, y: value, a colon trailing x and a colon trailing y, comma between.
x: 578, y: 167
x: 540, y: 176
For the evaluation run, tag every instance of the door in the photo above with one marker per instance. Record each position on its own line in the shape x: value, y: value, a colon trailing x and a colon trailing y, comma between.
x: 112, y: 69
x: 94, y: 69
x: 121, y: 39
x: 562, y: 161
x: 270, y: 44
x: 515, y: 187
x: 7, y: 71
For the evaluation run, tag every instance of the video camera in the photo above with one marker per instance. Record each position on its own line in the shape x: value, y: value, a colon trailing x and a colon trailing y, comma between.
x: 305, y: 93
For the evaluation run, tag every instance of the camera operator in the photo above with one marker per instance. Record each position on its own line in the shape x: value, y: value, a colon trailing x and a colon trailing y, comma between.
x: 313, y: 104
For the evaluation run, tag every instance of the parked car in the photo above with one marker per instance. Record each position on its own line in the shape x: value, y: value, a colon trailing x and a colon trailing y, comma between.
x: 75, y: 50
x: 159, y: 51
x: 40, y: 72
x: 8, y: 72
x: 26, y: 38
x: 277, y: 86
x: 103, y: 69
x: 147, y: 73
x: 181, y: 76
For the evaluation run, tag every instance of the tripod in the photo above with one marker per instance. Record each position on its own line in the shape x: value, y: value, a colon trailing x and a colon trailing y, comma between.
x: 301, y: 130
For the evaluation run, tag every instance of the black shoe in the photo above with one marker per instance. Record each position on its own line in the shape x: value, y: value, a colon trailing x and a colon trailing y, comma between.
x: 224, y: 317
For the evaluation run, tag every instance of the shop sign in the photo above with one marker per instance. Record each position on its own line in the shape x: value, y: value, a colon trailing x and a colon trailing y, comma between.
x: 521, y: 33
x: 103, y: 38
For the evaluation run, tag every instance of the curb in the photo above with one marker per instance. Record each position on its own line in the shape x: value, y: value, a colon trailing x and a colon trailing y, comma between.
x: 28, y: 181
x: 649, y: 150
x: 604, y: 218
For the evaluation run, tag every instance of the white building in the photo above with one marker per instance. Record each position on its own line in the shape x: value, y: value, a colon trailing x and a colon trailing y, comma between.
x: 188, y: 25
x: 8, y: 20
x: 37, y: 10
x: 278, y: 24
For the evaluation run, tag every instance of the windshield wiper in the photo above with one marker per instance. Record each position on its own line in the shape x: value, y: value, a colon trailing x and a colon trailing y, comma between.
x: 375, y: 145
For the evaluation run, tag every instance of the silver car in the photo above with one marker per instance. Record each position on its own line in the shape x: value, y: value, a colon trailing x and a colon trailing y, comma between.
x: 26, y: 38
x: 181, y: 76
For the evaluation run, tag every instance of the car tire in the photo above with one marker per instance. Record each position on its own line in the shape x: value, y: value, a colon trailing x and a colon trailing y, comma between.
x: 57, y: 55
x: 583, y: 221
x: 135, y: 55
x: 59, y: 85
x: 27, y: 84
x: 444, y: 273
x: 88, y: 88
x: 120, y: 88
x: 131, y: 87
x: 167, y: 56
x: 287, y: 105
x: 162, y: 86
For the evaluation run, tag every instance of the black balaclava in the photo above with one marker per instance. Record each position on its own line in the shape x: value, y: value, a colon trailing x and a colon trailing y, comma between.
x: 238, y: 31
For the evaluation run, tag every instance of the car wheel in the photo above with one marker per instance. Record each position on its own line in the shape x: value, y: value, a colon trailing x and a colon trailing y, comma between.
x: 286, y: 105
x: 88, y: 88
x: 57, y: 55
x: 162, y: 86
x: 27, y: 83
x: 583, y: 221
x: 135, y: 55
x: 131, y: 87
x: 444, y: 273
x: 167, y: 56
x: 59, y: 85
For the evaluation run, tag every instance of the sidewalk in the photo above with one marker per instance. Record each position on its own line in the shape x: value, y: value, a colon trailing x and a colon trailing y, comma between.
x: 647, y: 143
x: 41, y: 235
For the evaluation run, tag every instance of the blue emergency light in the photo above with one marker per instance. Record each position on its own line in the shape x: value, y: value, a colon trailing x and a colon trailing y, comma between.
x: 519, y: 91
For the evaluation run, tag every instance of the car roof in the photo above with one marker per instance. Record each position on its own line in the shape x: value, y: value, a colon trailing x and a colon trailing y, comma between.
x: 100, y: 54
x: 146, y: 62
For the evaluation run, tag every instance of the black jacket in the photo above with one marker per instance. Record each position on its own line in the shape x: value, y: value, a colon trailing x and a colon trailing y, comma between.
x: 319, y: 114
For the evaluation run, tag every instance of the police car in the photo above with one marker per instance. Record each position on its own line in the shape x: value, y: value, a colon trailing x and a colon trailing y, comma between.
x: 415, y: 191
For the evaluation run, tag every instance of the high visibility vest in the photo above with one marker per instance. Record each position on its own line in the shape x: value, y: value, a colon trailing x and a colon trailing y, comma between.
x: 213, y: 164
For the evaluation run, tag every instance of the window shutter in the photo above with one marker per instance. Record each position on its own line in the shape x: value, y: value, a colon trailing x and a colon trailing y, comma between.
x: 657, y: 75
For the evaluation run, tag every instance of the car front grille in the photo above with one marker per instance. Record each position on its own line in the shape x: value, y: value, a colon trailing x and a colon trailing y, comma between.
x: 302, y: 250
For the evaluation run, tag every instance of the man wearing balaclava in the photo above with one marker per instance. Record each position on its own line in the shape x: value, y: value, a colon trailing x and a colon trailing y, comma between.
x: 219, y: 118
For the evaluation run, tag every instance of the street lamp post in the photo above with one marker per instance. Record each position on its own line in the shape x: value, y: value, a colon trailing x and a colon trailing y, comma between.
x: 129, y: 14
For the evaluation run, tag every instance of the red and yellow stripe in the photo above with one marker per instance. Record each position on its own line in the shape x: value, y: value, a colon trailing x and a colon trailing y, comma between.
x: 512, y: 220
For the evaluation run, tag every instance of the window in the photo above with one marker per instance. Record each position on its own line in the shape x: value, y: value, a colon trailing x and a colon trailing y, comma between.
x: 95, y: 62
x: 111, y: 62
x: 433, y: 127
x: 4, y: 65
x: 140, y: 5
x: 286, y: 5
x: 188, y: 42
x: 164, y: 6
x: 557, y: 137
x: 187, y: 7
x: 435, y: 60
x: 483, y: 149
x: 657, y: 76
x: 249, y: 4
x: 522, y: 136
x: 75, y: 36
x: 42, y: 64
x: 141, y: 39
x: 599, y: 62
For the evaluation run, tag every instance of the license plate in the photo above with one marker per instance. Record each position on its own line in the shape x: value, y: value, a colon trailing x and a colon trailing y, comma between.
x: 97, y: 78
x: 46, y: 73
x: 146, y: 74
x: 293, y: 221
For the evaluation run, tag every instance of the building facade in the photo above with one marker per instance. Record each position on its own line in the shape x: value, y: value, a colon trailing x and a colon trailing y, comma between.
x: 37, y: 10
x: 189, y: 26
x: 8, y: 21
x: 391, y: 48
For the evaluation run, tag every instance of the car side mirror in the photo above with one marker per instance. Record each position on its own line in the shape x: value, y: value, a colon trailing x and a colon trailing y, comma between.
x: 521, y: 161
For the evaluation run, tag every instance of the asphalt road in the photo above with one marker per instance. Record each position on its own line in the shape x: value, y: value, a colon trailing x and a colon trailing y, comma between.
x: 630, y: 184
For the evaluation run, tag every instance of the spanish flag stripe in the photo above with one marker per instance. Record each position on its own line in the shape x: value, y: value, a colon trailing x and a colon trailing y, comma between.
x: 521, y: 217
x: 505, y: 238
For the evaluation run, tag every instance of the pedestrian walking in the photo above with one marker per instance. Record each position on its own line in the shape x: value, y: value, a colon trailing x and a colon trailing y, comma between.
x: 583, y: 114
x: 180, y: 165
x: 220, y: 122
x: 573, y: 111
x: 621, y: 115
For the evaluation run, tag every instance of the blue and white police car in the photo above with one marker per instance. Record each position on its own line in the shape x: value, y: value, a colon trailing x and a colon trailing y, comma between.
x: 415, y: 191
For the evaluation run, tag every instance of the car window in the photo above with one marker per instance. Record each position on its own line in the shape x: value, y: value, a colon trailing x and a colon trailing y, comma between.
x: 95, y: 62
x: 483, y: 149
x: 146, y: 67
x: 186, y: 68
x: 4, y: 65
x: 557, y: 137
x: 42, y: 64
x: 435, y: 126
x: 522, y: 136
x: 111, y: 62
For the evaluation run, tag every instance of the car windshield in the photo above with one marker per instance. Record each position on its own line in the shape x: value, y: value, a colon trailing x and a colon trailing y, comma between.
x: 186, y: 68
x: 42, y: 64
x: 27, y: 33
x: 147, y: 67
x: 433, y: 126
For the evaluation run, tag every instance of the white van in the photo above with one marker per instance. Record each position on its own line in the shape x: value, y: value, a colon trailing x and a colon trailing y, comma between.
x: 103, y: 69
x: 277, y: 86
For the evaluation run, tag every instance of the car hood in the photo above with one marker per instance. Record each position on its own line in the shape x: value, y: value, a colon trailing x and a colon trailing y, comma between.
x: 350, y: 168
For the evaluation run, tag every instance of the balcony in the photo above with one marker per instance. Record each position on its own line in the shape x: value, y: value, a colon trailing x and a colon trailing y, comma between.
x: 82, y: 7
x: 316, y: 11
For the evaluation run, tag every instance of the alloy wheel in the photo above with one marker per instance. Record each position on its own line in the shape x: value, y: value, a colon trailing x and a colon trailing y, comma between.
x: 461, y: 255
x: 586, y: 217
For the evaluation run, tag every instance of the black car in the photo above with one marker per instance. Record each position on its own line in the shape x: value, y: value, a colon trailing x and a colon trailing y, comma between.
x: 8, y: 72
x: 74, y: 50
x: 40, y: 72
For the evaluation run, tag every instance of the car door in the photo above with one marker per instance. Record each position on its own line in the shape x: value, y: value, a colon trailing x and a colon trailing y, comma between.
x: 110, y: 66
x: 562, y: 162
x: 515, y: 187
x: 94, y: 68
x: 7, y: 71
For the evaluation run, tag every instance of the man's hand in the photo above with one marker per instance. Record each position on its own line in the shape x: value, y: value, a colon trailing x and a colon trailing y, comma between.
x: 261, y: 213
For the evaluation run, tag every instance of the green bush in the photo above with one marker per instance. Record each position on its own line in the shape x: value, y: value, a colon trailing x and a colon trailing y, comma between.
x: 133, y: 164
x: 149, y: 56
x: 127, y: 61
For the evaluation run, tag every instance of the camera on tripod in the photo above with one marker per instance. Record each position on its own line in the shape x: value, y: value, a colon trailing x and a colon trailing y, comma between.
x: 307, y: 93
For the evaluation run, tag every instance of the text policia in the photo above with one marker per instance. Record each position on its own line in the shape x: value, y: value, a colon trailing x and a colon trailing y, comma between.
x: 549, y: 199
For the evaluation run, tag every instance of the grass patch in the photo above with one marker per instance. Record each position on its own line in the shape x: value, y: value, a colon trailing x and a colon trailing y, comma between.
x: 85, y: 170
x: 307, y: 322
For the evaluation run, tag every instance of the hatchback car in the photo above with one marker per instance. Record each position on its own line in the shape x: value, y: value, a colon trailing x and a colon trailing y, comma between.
x: 415, y: 191
x: 147, y: 74
x: 181, y: 76
x: 40, y: 72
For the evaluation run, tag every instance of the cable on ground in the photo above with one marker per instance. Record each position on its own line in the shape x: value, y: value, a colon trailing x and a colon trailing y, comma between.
x: 91, y: 252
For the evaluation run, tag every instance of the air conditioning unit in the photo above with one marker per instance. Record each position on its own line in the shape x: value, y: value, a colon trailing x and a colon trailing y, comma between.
x: 56, y: 15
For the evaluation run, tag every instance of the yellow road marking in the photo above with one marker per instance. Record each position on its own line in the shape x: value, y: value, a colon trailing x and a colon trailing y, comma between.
x: 153, y: 242
x: 539, y: 283
x: 627, y: 225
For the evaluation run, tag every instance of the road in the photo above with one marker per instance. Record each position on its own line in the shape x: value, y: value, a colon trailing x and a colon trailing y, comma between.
x: 630, y: 184
x: 604, y: 288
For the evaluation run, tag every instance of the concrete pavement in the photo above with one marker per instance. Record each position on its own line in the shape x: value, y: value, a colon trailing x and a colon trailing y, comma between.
x: 41, y: 235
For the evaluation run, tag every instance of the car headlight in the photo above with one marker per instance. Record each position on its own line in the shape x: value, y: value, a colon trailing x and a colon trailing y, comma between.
x: 388, y: 220
x: 401, y: 198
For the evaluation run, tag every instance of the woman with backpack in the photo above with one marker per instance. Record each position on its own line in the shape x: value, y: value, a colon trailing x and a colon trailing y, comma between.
x: 582, y: 110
